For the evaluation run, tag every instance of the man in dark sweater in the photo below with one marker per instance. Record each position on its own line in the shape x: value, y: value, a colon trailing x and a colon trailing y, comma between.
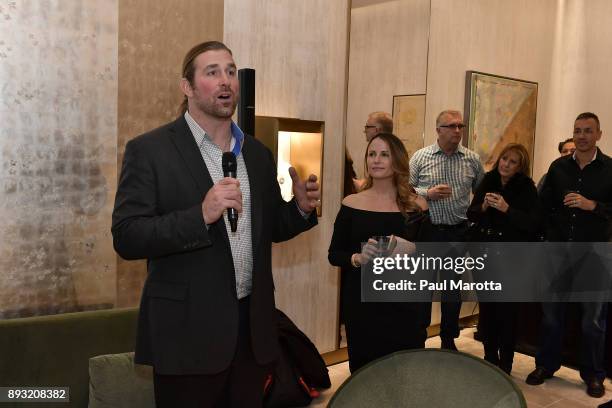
x: 577, y: 200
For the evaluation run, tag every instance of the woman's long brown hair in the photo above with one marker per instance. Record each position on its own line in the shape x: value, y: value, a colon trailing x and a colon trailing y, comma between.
x: 401, y: 173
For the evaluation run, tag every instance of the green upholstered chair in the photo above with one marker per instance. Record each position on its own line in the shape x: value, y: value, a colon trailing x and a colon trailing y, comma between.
x: 429, y: 378
x: 55, y: 350
x: 115, y: 382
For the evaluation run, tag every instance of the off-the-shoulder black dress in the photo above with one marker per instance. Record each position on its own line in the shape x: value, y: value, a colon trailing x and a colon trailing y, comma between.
x: 376, y: 329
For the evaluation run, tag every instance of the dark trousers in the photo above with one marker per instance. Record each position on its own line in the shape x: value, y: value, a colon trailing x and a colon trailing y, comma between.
x: 240, y: 385
x: 593, y: 327
x: 451, y: 300
x: 497, y: 324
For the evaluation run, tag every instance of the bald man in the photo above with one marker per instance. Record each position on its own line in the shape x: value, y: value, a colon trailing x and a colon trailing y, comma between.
x: 378, y: 122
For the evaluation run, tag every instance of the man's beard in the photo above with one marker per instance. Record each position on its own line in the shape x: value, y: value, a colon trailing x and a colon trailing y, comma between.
x: 219, y: 111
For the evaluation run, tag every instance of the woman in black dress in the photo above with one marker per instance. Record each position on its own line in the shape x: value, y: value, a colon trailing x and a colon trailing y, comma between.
x: 386, y: 206
x: 504, y: 209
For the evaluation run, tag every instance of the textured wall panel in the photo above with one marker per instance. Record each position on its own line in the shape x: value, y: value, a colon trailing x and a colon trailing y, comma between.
x: 153, y: 38
x: 580, y: 67
x: 299, y: 49
x: 58, y: 86
x: 286, y: 42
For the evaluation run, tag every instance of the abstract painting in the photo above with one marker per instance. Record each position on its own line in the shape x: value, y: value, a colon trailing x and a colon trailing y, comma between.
x: 499, y: 111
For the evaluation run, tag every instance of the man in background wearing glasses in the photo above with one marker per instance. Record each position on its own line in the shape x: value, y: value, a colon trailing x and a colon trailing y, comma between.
x: 378, y: 122
x: 445, y: 173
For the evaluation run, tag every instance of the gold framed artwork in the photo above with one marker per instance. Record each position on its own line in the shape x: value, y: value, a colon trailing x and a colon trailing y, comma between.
x: 409, y: 120
x: 498, y: 111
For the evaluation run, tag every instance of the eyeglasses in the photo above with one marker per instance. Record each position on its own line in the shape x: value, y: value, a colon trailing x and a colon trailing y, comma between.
x: 369, y: 126
x: 459, y: 126
x: 586, y: 131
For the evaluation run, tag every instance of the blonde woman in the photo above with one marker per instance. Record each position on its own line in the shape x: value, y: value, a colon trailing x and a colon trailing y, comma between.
x: 504, y: 209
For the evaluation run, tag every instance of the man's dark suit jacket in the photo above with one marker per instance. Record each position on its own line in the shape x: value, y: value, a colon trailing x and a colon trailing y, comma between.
x: 188, y: 321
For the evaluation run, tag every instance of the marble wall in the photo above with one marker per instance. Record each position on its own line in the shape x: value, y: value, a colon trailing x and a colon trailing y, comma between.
x: 58, y: 104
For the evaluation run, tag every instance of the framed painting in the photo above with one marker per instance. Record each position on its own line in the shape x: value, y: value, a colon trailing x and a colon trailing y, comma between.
x: 498, y: 111
x: 409, y: 120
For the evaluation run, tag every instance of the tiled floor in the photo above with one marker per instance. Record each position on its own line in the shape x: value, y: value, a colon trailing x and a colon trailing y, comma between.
x: 564, y: 390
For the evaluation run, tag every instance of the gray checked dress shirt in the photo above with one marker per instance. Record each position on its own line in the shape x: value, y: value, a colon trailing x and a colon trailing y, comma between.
x: 241, y: 240
x: 462, y: 171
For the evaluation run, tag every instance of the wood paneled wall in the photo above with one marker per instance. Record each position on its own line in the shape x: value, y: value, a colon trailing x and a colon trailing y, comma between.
x: 495, y: 36
x: 153, y: 38
x: 388, y: 56
x: 562, y: 45
x: 579, y: 74
x: 299, y: 50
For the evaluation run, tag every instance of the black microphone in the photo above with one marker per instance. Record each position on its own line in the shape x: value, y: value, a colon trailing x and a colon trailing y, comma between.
x: 228, y: 162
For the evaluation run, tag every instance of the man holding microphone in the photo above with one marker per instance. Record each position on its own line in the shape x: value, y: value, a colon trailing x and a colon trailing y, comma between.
x: 207, y: 320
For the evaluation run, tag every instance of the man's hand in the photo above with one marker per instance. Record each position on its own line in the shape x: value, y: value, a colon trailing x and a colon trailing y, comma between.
x: 225, y: 194
x: 439, y: 192
x: 307, y: 192
x: 575, y: 200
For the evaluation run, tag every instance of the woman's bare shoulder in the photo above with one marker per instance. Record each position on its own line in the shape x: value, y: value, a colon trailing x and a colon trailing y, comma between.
x: 357, y: 200
x: 350, y: 200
